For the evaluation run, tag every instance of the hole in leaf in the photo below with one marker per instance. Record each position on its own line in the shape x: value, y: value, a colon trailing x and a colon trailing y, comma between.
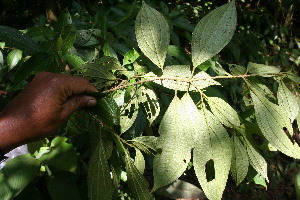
x: 184, y: 160
x: 159, y: 150
x: 210, y: 170
x: 258, y: 140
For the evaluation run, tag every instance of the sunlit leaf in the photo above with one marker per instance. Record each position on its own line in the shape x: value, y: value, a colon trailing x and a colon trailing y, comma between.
x: 179, y: 77
x: 273, y: 120
x: 139, y: 161
x: 152, y: 34
x: 181, y: 190
x: 150, y: 103
x: 62, y: 155
x: 288, y: 101
x: 237, y: 70
x: 223, y: 111
x: 99, y: 179
x: 239, y: 162
x: 212, y: 146
x: 129, y: 113
x: 263, y: 70
x: 213, y: 33
x: 130, y: 57
x: 13, y: 58
x: 16, y: 175
x: 74, y: 60
x: 177, y: 133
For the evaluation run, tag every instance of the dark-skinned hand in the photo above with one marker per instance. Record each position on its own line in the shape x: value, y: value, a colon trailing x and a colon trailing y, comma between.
x: 42, y: 107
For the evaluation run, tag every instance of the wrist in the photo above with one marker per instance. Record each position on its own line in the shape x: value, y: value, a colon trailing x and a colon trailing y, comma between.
x: 13, y: 133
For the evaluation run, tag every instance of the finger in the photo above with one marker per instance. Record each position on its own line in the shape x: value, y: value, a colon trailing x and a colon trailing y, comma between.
x: 77, y: 102
x: 77, y: 85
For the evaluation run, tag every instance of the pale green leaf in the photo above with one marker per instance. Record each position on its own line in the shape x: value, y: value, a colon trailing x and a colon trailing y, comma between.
x: 256, y: 160
x: 150, y: 103
x: 2, y: 45
x: 99, y: 179
x: 213, y: 144
x: 139, y: 161
x: 16, y: 175
x: 237, y: 70
x: 137, y: 183
x: 224, y: 112
x: 13, y: 58
x: 288, y: 101
x: 179, y: 77
x: 152, y: 34
x: 181, y: 190
x: 177, y: 133
x: 205, y: 80
x: 129, y: 113
x: 213, y: 33
x: 145, y: 143
x: 272, y: 120
x: 239, y: 161
x: 1, y: 59
x: 263, y: 70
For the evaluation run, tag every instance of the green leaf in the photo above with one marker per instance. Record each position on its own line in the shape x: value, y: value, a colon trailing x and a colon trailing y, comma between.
x: 129, y: 113
x: 288, y: 101
x: 13, y: 58
x: 37, y: 61
x: 68, y: 37
x: 109, y: 51
x: 16, y: 175
x: 263, y: 70
x: 14, y: 38
x: 177, y: 132
x: 62, y: 155
x: 40, y: 34
x: 150, y: 103
x: 224, y: 112
x: 137, y: 183
x: 152, y: 34
x: 73, y: 60
x: 239, y: 161
x: 2, y: 45
x: 180, y: 54
x: 297, y: 184
x: 212, y: 145
x: 107, y: 111
x: 63, y: 185
x: 139, y: 161
x: 130, y: 57
x: 213, y: 33
x: 259, y: 180
x: 64, y: 20
x: 99, y: 179
x: 272, y: 120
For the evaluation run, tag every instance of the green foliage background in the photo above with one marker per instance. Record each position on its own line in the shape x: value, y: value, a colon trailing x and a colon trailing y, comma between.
x: 143, y: 109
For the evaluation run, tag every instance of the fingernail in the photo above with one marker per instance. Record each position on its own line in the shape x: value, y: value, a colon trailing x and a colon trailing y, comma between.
x: 91, y: 102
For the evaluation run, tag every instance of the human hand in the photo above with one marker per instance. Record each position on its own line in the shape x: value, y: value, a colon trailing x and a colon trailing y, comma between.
x: 43, y: 106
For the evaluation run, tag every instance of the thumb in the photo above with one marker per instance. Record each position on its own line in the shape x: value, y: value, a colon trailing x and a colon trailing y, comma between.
x: 77, y: 102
